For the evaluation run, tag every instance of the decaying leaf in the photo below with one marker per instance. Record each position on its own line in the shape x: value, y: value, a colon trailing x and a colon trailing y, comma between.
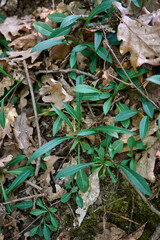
x: 12, y: 25
x: 24, y: 42
x: 23, y: 93
x: 135, y: 235
x: 4, y: 160
x: 6, y: 82
x: 23, y: 133
x: 55, y: 93
x: 89, y: 197
x: 15, y: 55
x: 141, y: 38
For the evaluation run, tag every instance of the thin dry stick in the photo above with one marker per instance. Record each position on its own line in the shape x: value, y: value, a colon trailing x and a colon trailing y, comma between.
x: 68, y: 71
x: 125, y: 218
x: 151, y: 207
x: 142, y: 93
x: 35, y: 113
x: 24, y: 198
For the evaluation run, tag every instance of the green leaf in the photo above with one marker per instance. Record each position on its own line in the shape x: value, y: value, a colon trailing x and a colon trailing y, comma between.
x: 40, y: 204
x: 70, y: 110
x: 86, y: 132
x: 72, y: 170
x: 131, y: 142
x: 121, y: 108
x: 79, y: 201
x: 53, y: 221
x: 43, y: 28
x: 67, y: 185
x: 82, y: 181
x: 18, y: 171
x: 137, y: 180
x: 2, y: 116
x: 46, y: 232
x: 102, y: 53
x: 38, y: 212
x: 125, y: 115
x: 65, y: 198
x: 132, y: 164
x: 56, y: 125
x: 95, y: 96
x: 33, y: 231
x: 81, y: 88
x: 74, y: 189
x: 16, y: 160
x: 47, y: 147
x: 18, y: 180
x: 63, y: 116
x: 148, y: 107
x: 46, y: 44
x: 143, y: 127
x: 155, y: 79
x: 111, y: 129
x: 117, y: 146
x: 73, y: 59
x: 69, y: 20
x: 79, y: 48
x: 57, y: 17
x: 107, y: 105
x: 9, y: 209
x: 60, y: 32
x: 97, y: 40
x: 98, y: 9
x: 93, y: 64
x: 137, y: 3
x: 23, y: 205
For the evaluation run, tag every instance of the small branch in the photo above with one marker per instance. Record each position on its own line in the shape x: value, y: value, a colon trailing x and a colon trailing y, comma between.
x: 24, y: 198
x: 150, y: 206
x: 35, y: 113
x: 125, y: 218
x: 142, y: 93
x: 79, y: 72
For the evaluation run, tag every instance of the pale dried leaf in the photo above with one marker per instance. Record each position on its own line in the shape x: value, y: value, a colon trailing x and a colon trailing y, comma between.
x: 141, y: 38
x: 15, y: 55
x: 89, y: 197
x: 4, y: 160
x: 23, y: 93
x: 55, y: 93
x: 24, y: 42
x: 6, y: 82
x: 136, y: 234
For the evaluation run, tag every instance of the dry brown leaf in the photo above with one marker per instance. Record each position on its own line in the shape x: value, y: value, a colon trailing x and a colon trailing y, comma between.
x: 24, y: 42
x: 6, y: 82
x: 89, y: 197
x: 136, y: 234
x: 23, y: 134
x: 4, y: 160
x: 55, y: 93
x: 64, y: 235
x: 12, y: 25
x: 141, y: 38
x: 59, y: 52
x: 23, y: 93
x: 15, y: 55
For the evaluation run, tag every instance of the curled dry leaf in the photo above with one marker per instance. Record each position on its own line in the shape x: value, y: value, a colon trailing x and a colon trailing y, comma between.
x: 4, y: 160
x: 89, y: 197
x: 15, y: 55
x: 141, y: 38
x: 23, y: 134
x: 55, y: 93
x: 136, y: 234
x: 23, y: 93
x: 12, y: 25
x: 24, y: 42
x: 6, y: 82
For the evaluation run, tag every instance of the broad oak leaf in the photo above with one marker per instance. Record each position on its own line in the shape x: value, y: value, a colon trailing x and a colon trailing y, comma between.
x: 22, y: 55
x: 55, y: 93
x: 141, y: 38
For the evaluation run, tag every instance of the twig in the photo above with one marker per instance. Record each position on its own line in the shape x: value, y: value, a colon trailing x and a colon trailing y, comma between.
x: 119, y: 80
x: 36, y: 115
x: 132, y: 83
x: 68, y: 71
x: 150, y: 206
x: 24, y: 198
x: 156, y: 233
x: 33, y: 185
x: 125, y: 218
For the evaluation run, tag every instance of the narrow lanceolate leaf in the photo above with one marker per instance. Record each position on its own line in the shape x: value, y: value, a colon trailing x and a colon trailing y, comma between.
x: 137, y: 180
x: 23, y: 205
x: 47, y: 147
x: 148, y: 108
x: 65, y: 198
x: 79, y: 201
x: 33, y: 231
x: 117, y: 146
x: 60, y: 32
x: 18, y: 171
x: 5, y: 198
x: 82, y: 181
x: 2, y: 116
x: 56, y: 125
x: 73, y: 59
x: 72, y: 170
x: 79, y: 48
x: 107, y: 105
x: 46, y: 232
x: 43, y: 28
x: 97, y: 40
x: 125, y: 115
x: 46, y: 44
x: 21, y: 178
x: 143, y: 127
x: 86, y: 89
x: 70, y: 110
x: 57, y: 17
x: 112, y: 129
x: 38, y: 212
x: 69, y: 20
x: 63, y: 116
x: 155, y: 79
